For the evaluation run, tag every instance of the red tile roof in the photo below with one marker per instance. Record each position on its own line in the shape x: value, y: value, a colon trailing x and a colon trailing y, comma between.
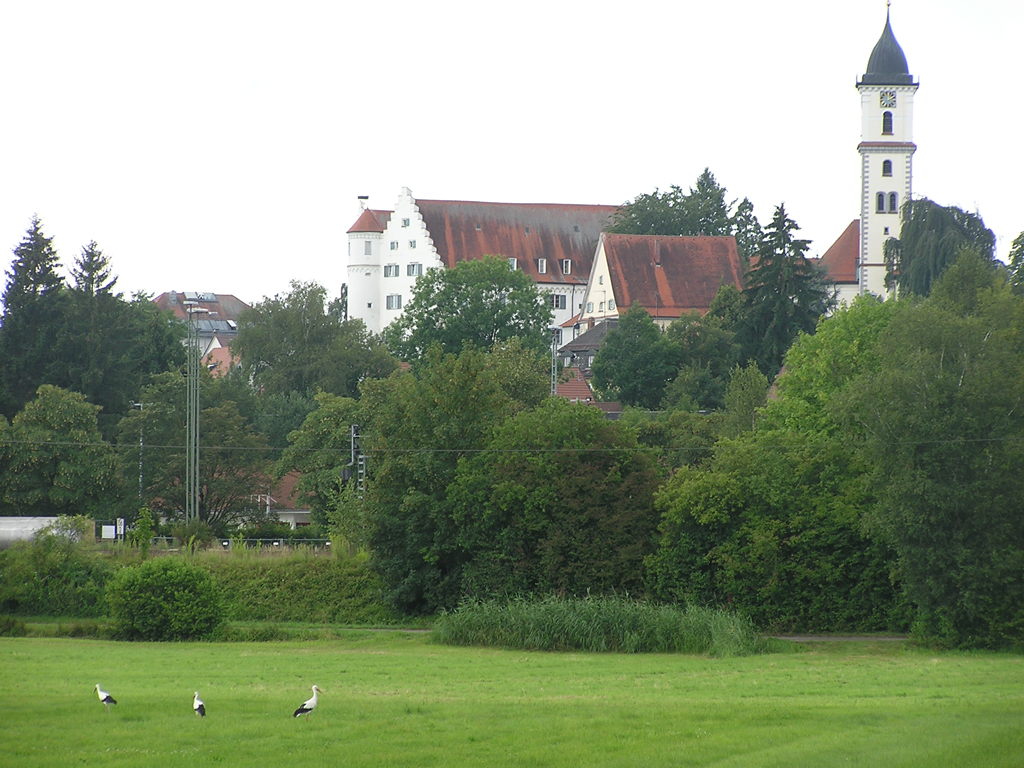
x: 222, y: 306
x: 841, y: 258
x: 524, y: 231
x: 669, y: 276
x: 371, y: 221
x: 575, y: 389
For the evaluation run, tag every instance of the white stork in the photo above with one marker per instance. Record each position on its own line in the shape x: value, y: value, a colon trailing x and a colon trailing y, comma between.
x: 308, y: 706
x: 198, y: 706
x: 105, y: 697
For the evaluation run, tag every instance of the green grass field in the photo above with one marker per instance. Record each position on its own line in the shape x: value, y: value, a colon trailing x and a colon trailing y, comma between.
x: 395, y: 699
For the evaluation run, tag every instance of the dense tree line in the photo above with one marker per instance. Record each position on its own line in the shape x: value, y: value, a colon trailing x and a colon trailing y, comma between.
x: 877, y: 488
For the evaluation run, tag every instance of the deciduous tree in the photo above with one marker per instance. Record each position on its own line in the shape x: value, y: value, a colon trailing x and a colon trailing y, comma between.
x: 636, y: 361
x: 931, y: 238
x: 293, y: 343
x: 54, y: 461
x: 561, y: 500
x: 479, y: 303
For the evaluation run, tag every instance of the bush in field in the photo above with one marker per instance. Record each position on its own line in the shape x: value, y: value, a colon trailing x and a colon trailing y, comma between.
x: 53, y: 575
x: 164, y: 599
x: 599, y: 624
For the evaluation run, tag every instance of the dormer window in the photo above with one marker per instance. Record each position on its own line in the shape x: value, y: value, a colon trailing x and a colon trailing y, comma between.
x: 566, y: 266
x: 887, y: 123
x: 887, y: 167
x: 542, y: 266
x: 512, y: 263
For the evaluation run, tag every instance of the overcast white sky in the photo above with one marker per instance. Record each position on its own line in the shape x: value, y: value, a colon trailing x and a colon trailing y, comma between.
x: 220, y: 146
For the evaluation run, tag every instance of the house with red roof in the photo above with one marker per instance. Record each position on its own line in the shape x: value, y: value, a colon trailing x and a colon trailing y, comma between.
x: 216, y: 323
x: 387, y: 250
x: 667, y: 276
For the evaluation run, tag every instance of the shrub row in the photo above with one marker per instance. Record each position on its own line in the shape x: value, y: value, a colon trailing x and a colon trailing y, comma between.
x: 299, y: 587
x: 53, y: 576
x: 599, y: 624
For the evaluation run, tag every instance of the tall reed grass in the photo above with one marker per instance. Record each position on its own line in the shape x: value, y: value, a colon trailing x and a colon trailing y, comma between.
x: 611, y: 624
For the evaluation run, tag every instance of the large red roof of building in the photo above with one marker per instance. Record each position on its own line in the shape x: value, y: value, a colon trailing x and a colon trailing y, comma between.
x: 670, y: 276
x: 841, y: 258
x: 525, y: 231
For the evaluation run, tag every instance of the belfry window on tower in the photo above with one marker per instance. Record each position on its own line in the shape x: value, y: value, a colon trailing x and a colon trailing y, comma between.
x: 881, y: 203
x: 887, y: 167
x: 893, y: 203
x: 887, y: 123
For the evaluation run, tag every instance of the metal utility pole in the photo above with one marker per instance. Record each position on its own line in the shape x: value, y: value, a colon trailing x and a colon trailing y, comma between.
x: 195, y: 355
x: 554, y: 362
x: 142, y: 445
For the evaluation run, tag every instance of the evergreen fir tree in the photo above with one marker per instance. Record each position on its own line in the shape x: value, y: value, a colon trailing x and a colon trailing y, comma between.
x: 785, y: 294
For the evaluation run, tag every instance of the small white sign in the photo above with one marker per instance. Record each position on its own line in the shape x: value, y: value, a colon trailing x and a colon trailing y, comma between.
x: 107, y: 532
x: 120, y: 527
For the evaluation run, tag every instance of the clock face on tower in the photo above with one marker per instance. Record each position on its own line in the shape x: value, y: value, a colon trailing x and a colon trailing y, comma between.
x: 887, y: 98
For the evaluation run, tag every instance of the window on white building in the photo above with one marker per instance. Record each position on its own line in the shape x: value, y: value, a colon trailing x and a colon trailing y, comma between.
x: 590, y: 306
x: 367, y: 248
x: 557, y: 301
x: 350, y: 248
x: 600, y: 279
x: 394, y: 245
x: 887, y: 167
x: 566, y: 266
x: 600, y: 307
x: 887, y: 123
x: 412, y: 243
x: 394, y: 301
x: 893, y: 200
x: 880, y: 207
x: 405, y: 222
x: 414, y: 270
x: 611, y: 304
x: 542, y: 266
x: 390, y: 270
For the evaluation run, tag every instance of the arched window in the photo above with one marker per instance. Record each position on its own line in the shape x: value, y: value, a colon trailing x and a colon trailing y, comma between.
x: 893, y: 207
x: 887, y: 167
x: 887, y: 123
x: 881, y: 202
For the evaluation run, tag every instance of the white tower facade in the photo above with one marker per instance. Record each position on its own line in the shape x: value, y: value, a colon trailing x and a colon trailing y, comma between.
x: 886, y: 150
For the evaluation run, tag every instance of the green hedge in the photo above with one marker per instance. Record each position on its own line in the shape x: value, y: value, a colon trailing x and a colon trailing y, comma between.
x: 300, y: 587
x: 53, y: 576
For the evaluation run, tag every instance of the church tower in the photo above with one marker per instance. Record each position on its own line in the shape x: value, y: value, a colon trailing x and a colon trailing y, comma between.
x: 886, y: 151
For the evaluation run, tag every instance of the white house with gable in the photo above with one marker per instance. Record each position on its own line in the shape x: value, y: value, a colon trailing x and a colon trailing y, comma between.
x: 553, y: 244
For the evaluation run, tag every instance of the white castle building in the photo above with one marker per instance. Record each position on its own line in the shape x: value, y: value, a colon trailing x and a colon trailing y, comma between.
x: 387, y: 250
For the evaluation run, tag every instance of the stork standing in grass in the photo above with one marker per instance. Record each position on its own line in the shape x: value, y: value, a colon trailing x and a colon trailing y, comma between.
x: 198, y: 706
x: 105, y: 697
x: 308, y: 706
